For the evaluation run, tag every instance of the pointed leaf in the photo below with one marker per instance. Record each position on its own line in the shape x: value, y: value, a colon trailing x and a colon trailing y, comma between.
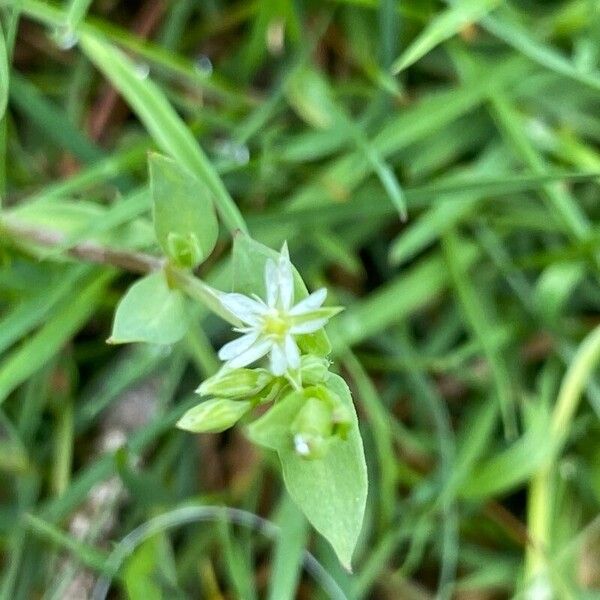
x: 3, y: 74
x: 331, y: 491
x: 443, y: 27
x: 309, y: 95
x: 184, y: 217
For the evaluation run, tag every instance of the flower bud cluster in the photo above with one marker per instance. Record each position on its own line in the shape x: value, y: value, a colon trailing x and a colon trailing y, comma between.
x: 321, y: 419
x: 274, y: 331
x: 234, y: 392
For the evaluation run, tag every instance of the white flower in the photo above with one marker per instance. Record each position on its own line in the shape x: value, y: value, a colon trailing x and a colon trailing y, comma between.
x: 270, y: 326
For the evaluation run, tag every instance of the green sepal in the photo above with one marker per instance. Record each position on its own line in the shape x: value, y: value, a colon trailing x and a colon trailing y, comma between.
x: 235, y: 383
x: 184, y: 249
x: 312, y: 429
x: 214, y: 416
x: 313, y: 369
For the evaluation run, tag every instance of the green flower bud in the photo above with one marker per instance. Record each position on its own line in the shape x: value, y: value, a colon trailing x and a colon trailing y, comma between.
x: 235, y: 383
x: 314, y: 369
x: 214, y: 416
x: 312, y: 429
x: 322, y: 418
x: 340, y: 416
x: 185, y: 249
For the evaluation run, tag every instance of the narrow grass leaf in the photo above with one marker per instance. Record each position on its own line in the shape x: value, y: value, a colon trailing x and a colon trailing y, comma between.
x: 289, y: 551
x: 76, y: 13
x: 444, y: 26
x: 51, y: 120
x: 35, y: 352
x: 4, y: 75
x: 86, y: 554
x: 480, y: 321
x: 521, y: 40
x: 30, y: 313
x: 162, y: 122
x: 236, y: 562
x: 397, y: 299
x: 444, y: 214
x: 509, y: 468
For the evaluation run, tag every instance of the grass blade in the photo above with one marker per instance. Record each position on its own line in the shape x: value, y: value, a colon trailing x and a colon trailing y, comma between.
x: 289, y: 551
x: 443, y: 27
x: 161, y: 121
x: 4, y: 78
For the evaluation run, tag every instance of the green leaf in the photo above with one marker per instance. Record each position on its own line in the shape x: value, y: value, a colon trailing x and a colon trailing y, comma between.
x: 76, y: 12
x: 67, y: 318
x: 150, y: 312
x: 51, y: 121
x: 555, y: 286
x: 515, y: 464
x: 309, y: 95
x: 184, y: 217
x: 214, y: 416
x: 478, y: 315
x: 512, y: 33
x: 249, y: 259
x: 149, y: 572
x: 443, y: 27
x: 331, y: 491
x: 424, y: 230
x: 4, y: 73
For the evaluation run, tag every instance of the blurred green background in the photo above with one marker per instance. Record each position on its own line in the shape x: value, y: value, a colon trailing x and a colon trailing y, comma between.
x: 434, y: 164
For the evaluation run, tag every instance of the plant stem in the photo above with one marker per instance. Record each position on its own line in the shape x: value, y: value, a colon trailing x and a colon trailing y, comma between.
x: 540, y: 491
x: 136, y: 262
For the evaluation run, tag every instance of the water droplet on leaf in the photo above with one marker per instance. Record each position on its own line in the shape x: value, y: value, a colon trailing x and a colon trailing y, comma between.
x: 300, y: 445
x: 230, y: 150
x: 142, y: 70
x: 65, y: 38
x: 203, y: 65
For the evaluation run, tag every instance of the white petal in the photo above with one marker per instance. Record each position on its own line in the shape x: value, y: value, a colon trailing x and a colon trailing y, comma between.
x: 237, y: 346
x: 285, y: 279
x: 256, y: 351
x: 292, y: 353
x: 271, y: 282
x: 278, y: 362
x: 246, y: 309
x: 310, y: 302
x: 308, y: 326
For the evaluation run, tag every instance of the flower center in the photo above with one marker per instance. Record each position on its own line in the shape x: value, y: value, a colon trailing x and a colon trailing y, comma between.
x: 275, y: 325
